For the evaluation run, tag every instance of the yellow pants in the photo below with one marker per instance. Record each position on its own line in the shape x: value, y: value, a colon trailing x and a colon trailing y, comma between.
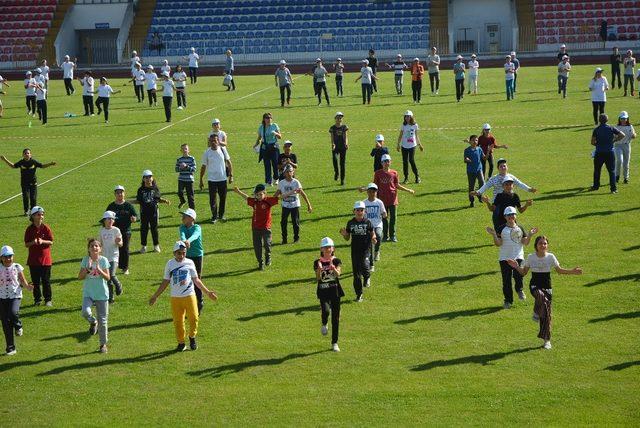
x: 179, y: 307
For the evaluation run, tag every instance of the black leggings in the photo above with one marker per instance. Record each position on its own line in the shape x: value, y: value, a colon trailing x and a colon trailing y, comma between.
x: 331, y: 306
x: 628, y: 79
x: 322, y: 86
x: 341, y: 156
x: 367, y: 89
x: 488, y: 160
x: 149, y: 220
x: 31, y: 104
x: 598, y: 109
x: 360, y: 267
x: 197, y: 261
x: 104, y: 101
x: 68, y: 85
x: 434, y: 78
x: 10, y: 315
x: 295, y: 220
x: 408, y: 157
x: 87, y: 101
x: 507, y: 273
x: 615, y: 71
x: 186, y: 187
x: 41, y: 275
x: 339, y: 85
x: 218, y: 188
x: 459, y: 89
x: 29, y: 195
x: 42, y: 111
x: 284, y: 88
x: 139, y: 92
x: 416, y: 87
x: 151, y: 94
x: 182, y: 98
x: 193, y: 74
x: 123, y: 258
x: 166, y: 101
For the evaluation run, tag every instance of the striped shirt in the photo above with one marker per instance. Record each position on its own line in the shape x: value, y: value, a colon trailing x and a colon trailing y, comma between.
x: 186, y: 174
x: 496, y: 182
x: 399, y: 67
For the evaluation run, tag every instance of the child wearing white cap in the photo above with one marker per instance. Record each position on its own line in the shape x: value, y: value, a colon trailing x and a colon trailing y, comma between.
x: 376, y: 213
x: 378, y: 151
x: 186, y: 167
x: 151, y: 78
x: 458, y: 73
x: 367, y: 77
x: 193, y: 66
x: 11, y: 282
x: 167, y: 94
x: 291, y: 204
x: 320, y: 75
x: 388, y: 185
x: 417, y: 72
x: 398, y: 68
x: 433, y: 68
x: 191, y: 234
x: 149, y: 197
x: 283, y: 82
x: 408, y: 140
x: 180, y: 78
x: 111, y: 241
x: 622, y: 148
x: 67, y: 74
x: 361, y: 233
x: 181, y: 273
x: 229, y: 68
x: 629, y: 64
x: 138, y: 78
x: 511, y: 239
x: 598, y: 85
x: 563, y: 75
x: 88, y: 89
x: 509, y: 76
x: 473, y: 65
x: 104, y: 94
x: 165, y: 67
x: 30, y: 93
x: 338, y: 68
x: 217, y: 130
x: 329, y: 291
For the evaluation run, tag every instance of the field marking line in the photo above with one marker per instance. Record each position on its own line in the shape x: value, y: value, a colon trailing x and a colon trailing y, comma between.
x: 75, y: 168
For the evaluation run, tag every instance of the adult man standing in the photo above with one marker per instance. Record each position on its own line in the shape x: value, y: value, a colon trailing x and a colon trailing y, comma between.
x: 615, y: 59
x: 602, y: 138
x: 373, y: 64
x: 433, y: 68
x: 215, y: 162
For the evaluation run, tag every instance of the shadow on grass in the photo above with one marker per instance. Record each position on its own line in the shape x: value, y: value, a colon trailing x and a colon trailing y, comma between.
x: 228, y: 250
x: 64, y: 281
x: 602, y: 213
x: 452, y: 315
x: 445, y: 279
x: 439, y: 210
x: 347, y: 216
x: 312, y: 250
x: 483, y: 359
x: 23, y: 363
x: 238, y: 272
x: 454, y: 250
x: 559, y: 128
x: 141, y: 359
x: 344, y: 190
x: 632, y: 248
x: 624, y: 316
x: 43, y: 310
x: 622, y: 366
x: 297, y: 311
x: 63, y: 262
x: 303, y: 281
x: 564, y: 193
x: 228, y: 369
x: 632, y: 277
x: 83, y: 336
x: 441, y: 192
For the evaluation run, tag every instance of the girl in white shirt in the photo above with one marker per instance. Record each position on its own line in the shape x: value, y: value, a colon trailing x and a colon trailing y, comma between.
x: 193, y: 65
x: 30, y: 87
x: 598, y: 87
x: 540, y: 263
x: 180, y: 78
x: 165, y: 67
x: 408, y: 140
x: 167, y: 94
x: 366, y: 78
x: 111, y: 241
x: 87, y: 83
x: 138, y: 78
x: 509, y: 73
x: 11, y: 280
x: 622, y: 148
x: 45, y: 73
x: 151, y: 77
x: 67, y: 74
x: 473, y: 67
x: 41, y: 101
x: 135, y: 59
x: 104, y: 93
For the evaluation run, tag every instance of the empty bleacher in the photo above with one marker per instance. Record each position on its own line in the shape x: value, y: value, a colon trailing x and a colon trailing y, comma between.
x: 277, y: 26
x: 566, y: 21
x: 23, y: 27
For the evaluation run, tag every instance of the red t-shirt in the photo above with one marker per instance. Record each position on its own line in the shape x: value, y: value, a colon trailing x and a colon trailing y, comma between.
x: 485, y: 143
x: 387, y: 182
x: 39, y: 255
x: 262, y: 212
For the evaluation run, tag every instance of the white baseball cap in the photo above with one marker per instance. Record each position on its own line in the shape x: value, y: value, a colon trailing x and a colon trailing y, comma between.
x: 372, y: 186
x: 150, y: 67
x: 365, y: 61
x: 28, y: 73
x: 189, y: 212
x: 359, y: 205
x: 509, y: 211
x: 513, y: 54
x: 66, y: 57
x: 623, y: 115
x: 193, y: 49
x: 339, y: 59
x: 399, y: 56
x: 165, y: 61
x: 459, y: 57
x: 507, y: 178
x: 118, y: 187
x: 318, y: 60
x: 473, y: 55
x: 283, y: 61
x: 565, y: 56
x: 379, y: 137
x: 35, y: 210
x: 109, y: 214
x: 563, y: 45
x: 287, y: 143
x: 416, y: 59
x: 165, y: 73
x: 134, y: 52
x: 408, y: 113
x: 598, y: 70
x: 179, y: 245
x: 339, y: 113
x: 38, y: 70
x: 385, y: 158
x: 326, y: 242
x: 147, y: 173
x: 6, y: 251
x: 486, y: 126
x: 214, y: 121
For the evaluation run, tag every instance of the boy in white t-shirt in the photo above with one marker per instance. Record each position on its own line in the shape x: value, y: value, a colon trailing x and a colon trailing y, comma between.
x: 473, y: 65
x: 180, y: 78
x: 181, y: 273
x: 374, y: 212
x: 511, y: 238
x: 151, y: 77
x: 111, y: 240
x: 291, y: 204
x: 67, y: 74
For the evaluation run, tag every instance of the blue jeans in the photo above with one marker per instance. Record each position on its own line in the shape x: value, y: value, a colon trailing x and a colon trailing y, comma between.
x: 270, y: 159
x: 102, y: 309
x: 509, y: 85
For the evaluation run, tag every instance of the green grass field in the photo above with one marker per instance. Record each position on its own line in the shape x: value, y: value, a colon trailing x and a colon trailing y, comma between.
x: 430, y: 345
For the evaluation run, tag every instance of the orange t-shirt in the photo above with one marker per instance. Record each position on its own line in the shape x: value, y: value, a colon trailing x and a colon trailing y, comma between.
x: 416, y: 72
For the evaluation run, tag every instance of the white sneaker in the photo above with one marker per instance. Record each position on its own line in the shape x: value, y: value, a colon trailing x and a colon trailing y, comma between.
x: 19, y: 332
x: 507, y: 305
x: 334, y: 348
x: 156, y: 248
x: 359, y: 299
x: 324, y: 330
x: 535, y: 317
x: 547, y: 344
x: 13, y: 351
x: 49, y: 304
x: 179, y: 107
x: 377, y: 256
x: 143, y: 249
x: 126, y: 272
x: 372, y: 269
x: 368, y: 282
x: 521, y: 295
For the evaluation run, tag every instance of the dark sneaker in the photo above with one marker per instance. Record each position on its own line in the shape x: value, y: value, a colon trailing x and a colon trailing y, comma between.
x: 214, y: 220
x: 181, y: 204
x: 181, y: 347
x: 268, y: 261
x: 284, y: 241
x: 118, y: 290
x: 296, y: 240
x: 93, y: 328
x: 260, y: 266
x: 418, y: 180
x: 394, y: 239
x: 192, y: 343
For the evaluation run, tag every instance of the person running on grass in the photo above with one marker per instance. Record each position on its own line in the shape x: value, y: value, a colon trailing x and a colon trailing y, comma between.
x: 38, y: 238
x: 458, y: 73
x: 433, y: 68
x: 186, y: 167
x: 268, y: 136
x: 286, y: 158
x: 222, y: 136
x: 509, y: 76
x: 125, y: 215
x: 417, y: 72
x: 291, y: 204
x: 180, y: 79
x: 408, y: 140
x: 30, y: 93
x: 138, y: 76
x: 563, y: 75
x: 88, y: 89
x: 622, y: 148
x: 339, y: 147
x: 181, y: 273
x: 68, y: 67
x: 320, y: 74
x: 366, y: 79
x: 504, y: 199
x: 488, y: 144
x: 329, y: 291
x: 191, y: 234
x: 3, y: 83
x: 511, y: 239
x: 149, y: 196
x: 168, y: 87
x: 473, y: 157
x: 151, y: 78
x: 12, y: 281
x: 193, y: 59
x: 378, y: 151
x: 540, y: 264
x: 473, y: 65
x: 28, y: 179
x: 362, y: 235
x: 598, y: 86
x: 104, y: 94
x: 111, y: 241
x: 94, y: 273
x: 375, y: 213
x: 216, y: 163
x: 629, y: 63
x: 495, y: 182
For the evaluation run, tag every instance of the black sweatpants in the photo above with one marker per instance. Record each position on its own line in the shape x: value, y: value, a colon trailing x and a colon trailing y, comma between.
x: 507, y: 273
x: 471, y: 178
x: 459, y: 89
x: 151, y: 95
x: 434, y: 80
x: 41, y: 275
x: 389, y: 223
x: 322, y: 86
x: 598, y: 109
x: 367, y: 89
x: 416, y: 87
x: 123, y: 259
x: 360, y: 267
x: 167, y: 101
x: 489, y: 161
x: 339, y: 92
x: 87, y: 102
x: 262, y: 238
x: 186, y: 187
x: 615, y: 71
x: 31, y: 104
x: 295, y: 220
x: 284, y: 88
x: 331, y: 306
x: 607, y: 159
x: 29, y: 195
x: 149, y: 221
x: 139, y: 92
x: 193, y: 74
x: 339, y: 156
x: 10, y: 315
x: 219, y: 188
x: 408, y: 157
x: 102, y: 103
x: 42, y: 111
x: 182, y: 97
x: 628, y: 80
x: 197, y: 261
x: 68, y: 86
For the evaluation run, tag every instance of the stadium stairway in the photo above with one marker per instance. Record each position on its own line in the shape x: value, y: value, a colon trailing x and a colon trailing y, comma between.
x: 140, y: 28
x: 526, y: 22
x: 48, y: 50
x: 439, y: 31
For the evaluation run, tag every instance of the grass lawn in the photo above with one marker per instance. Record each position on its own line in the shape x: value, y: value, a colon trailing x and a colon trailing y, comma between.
x: 430, y: 345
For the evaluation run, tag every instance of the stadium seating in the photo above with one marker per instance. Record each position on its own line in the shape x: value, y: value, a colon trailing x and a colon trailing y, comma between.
x: 568, y: 21
x: 275, y: 26
x: 23, y: 26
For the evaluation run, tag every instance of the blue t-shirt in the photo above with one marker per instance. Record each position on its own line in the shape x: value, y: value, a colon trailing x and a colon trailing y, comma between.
x: 458, y: 68
x: 192, y: 234
x: 475, y: 154
x: 604, y: 138
x: 267, y: 135
x: 94, y: 285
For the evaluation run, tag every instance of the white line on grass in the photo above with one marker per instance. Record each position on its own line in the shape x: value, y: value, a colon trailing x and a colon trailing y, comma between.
x: 135, y: 141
